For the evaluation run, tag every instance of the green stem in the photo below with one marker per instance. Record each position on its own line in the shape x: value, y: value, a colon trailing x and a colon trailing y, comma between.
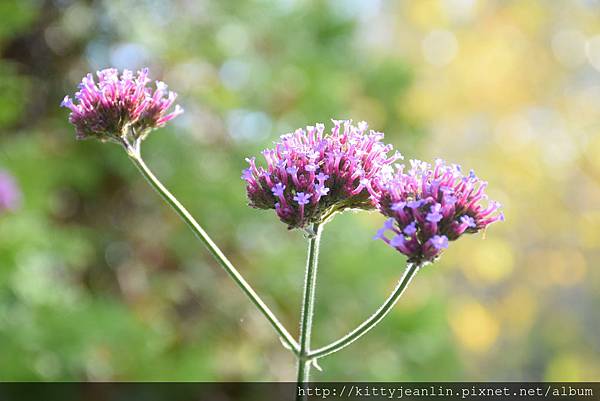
x: 308, y: 303
x: 136, y: 158
x: 372, y: 321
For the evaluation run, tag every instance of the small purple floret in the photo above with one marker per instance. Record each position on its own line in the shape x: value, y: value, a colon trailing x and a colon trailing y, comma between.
x: 470, y: 222
x: 410, y: 229
x: 278, y: 189
x: 322, y: 177
x: 434, y: 216
x: 301, y: 198
x: 439, y: 242
x: 321, y: 190
x: 246, y: 174
x: 414, y: 204
x: 398, y: 206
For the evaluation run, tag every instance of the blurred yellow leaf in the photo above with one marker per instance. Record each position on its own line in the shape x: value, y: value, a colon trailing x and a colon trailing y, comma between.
x: 474, y: 326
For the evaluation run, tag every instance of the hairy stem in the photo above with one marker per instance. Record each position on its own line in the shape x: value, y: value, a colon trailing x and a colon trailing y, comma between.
x: 308, y: 303
x: 372, y: 321
x: 287, y: 339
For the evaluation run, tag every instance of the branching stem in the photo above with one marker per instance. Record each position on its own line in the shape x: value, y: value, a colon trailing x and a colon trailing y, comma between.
x: 372, y: 321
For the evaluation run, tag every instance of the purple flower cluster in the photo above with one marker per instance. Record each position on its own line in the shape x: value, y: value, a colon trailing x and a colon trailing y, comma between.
x: 10, y: 195
x: 428, y: 206
x: 311, y: 175
x: 119, y: 106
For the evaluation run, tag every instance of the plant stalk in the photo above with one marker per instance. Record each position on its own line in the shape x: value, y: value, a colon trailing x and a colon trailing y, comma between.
x: 135, y: 156
x: 308, y: 303
x: 409, y: 273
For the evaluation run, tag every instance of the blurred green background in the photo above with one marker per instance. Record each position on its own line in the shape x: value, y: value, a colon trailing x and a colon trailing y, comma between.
x: 99, y: 280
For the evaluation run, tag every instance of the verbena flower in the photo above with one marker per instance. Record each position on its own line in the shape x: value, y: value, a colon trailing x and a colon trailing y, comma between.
x: 117, y: 107
x: 310, y: 175
x: 430, y: 206
x: 10, y: 195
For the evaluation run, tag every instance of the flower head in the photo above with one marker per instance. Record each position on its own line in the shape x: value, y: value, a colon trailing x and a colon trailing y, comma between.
x: 117, y: 106
x: 310, y: 175
x: 10, y: 195
x: 429, y: 206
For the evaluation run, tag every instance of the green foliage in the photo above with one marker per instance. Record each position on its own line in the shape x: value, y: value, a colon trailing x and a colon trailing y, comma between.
x: 18, y: 15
